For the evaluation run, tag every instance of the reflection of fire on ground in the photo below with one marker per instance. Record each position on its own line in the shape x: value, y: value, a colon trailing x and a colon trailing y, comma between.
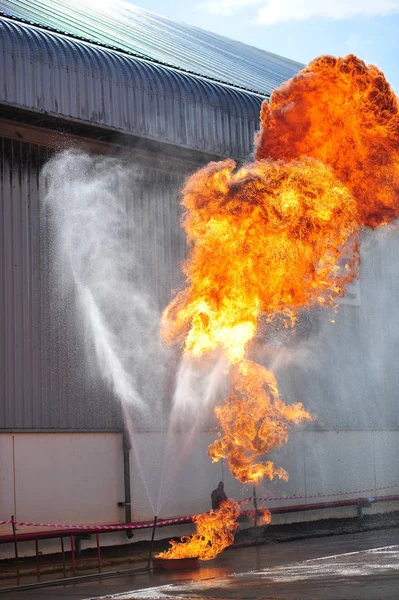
x: 277, y: 237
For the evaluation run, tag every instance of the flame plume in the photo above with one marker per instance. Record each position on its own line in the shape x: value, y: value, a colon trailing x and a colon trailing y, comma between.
x: 254, y: 420
x: 344, y: 113
x: 265, y: 239
x: 215, y: 531
x: 270, y: 239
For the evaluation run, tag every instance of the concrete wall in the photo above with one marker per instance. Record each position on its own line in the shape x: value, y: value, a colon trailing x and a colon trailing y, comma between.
x: 78, y: 478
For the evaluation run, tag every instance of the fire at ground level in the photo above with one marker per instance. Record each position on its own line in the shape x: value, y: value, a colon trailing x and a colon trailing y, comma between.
x: 363, y: 566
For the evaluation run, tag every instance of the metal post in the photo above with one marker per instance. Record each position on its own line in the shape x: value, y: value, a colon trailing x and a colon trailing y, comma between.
x: 14, y: 533
x: 126, y: 479
x: 152, y: 541
x: 63, y: 554
x: 15, y: 546
x: 98, y: 551
x: 73, y: 555
x: 360, y: 515
x: 255, y: 507
x: 37, y: 557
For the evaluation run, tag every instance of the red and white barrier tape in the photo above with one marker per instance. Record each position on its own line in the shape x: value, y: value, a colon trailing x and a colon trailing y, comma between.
x: 313, y: 496
x: 188, y: 519
x: 116, y: 527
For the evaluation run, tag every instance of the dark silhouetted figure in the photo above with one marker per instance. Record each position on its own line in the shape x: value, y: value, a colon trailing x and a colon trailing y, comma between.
x: 218, y: 495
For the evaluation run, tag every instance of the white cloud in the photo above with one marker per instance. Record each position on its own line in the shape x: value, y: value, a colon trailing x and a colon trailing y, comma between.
x: 227, y: 7
x: 277, y: 11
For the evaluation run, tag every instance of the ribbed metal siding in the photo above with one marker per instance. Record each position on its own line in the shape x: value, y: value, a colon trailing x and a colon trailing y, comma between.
x: 43, y: 378
x: 76, y: 80
x: 132, y: 29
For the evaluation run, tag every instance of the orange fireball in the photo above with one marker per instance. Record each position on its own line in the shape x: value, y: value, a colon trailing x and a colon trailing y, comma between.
x: 265, y: 239
x: 277, y: 236
x: 344, y: 113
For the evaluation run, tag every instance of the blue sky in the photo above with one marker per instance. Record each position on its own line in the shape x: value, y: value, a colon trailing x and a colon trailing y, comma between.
x: 299, y: 29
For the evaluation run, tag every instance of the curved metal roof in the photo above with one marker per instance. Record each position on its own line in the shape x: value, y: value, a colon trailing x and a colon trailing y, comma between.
x: 61, y: 76
x: 134, y: 30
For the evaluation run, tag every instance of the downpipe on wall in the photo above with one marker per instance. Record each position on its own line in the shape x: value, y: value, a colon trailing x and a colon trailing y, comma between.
x: 127, y: 504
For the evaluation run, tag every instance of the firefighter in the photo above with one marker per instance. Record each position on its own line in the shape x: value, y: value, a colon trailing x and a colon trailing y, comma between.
x: 218, y: 495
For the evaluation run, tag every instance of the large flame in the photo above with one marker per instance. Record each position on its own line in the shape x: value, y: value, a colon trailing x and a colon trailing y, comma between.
x: 344, y: 113
x: 279, y: 235
x: 254, y: 420
x: 265, y: 239
x: 214, y: 532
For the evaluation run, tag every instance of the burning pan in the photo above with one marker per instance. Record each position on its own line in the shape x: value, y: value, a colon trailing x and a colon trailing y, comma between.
x: 175, y: 564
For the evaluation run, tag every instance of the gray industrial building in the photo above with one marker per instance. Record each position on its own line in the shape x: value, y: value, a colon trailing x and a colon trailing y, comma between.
x: 169, y: 98
x: 182, y: 96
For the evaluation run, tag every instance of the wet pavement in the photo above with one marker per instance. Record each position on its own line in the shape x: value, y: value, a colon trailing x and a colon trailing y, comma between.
x: 362, y: 566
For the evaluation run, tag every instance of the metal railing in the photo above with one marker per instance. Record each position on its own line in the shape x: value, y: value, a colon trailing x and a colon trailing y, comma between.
x: 74, y: 532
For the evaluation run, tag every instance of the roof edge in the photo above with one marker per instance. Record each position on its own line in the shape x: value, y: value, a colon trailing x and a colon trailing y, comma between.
x: 88, y: 40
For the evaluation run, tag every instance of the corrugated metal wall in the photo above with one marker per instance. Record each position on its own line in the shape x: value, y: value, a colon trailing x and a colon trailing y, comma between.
x: 345, y: 368
x: 134, y: 30
x: 68, y: 78
x: 43, y: 379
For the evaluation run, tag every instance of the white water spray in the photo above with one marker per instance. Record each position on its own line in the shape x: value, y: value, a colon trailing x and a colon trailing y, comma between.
x: 100, y: 259
x: 91, y: 202
x: 198, y: 387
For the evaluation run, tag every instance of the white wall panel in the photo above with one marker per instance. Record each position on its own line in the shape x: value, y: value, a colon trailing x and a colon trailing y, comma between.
x: 339, y: 461
x: 6, y: 481
x: 292, y: 458
x: 317, y: 462
x: 78, y: 478
x: 189, y: 474
x: 68, y: 478
x: 386, y: 444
